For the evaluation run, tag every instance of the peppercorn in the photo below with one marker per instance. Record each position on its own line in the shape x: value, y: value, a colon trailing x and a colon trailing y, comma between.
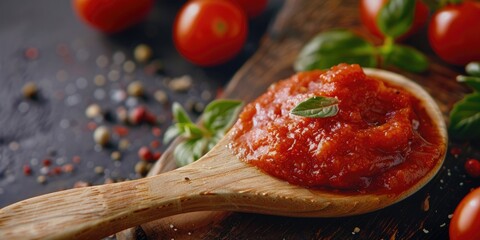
x: 137, y: 115
x: 142, y: 53
x: 93, y: 111
x: 101, y: 135
x: 145, y: 154
x: 135, y: 89
x: 30, y: 90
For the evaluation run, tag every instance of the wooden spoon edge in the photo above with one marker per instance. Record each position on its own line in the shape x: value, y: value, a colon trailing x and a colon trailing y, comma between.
x: 331, y: 204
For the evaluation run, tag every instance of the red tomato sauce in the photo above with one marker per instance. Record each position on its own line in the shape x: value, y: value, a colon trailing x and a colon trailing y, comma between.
x: 381, y: 139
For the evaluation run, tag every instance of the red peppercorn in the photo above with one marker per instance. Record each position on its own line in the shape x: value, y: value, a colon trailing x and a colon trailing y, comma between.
x: 472, y: 166
x: 27, y: 170
x: 46, y: 162
x: 150, y: 118
x: 155, y: 144
x: 76, y: 159
x: 145, y: 154
x: 137, y: 115
x: 120, y: 131
x: 57, y: 170
x: 156, y: 131
x: 31, y: 53
x: 91, y: 126
x: 219, y: 92
x: 456, y: 151
x: 156, y: 156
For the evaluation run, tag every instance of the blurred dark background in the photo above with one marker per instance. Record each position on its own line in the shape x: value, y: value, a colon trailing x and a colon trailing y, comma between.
x: 46, y: 143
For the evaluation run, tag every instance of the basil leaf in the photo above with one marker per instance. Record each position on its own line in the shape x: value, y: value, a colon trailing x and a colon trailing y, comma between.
x: 179, y: 114
x: 190, y: 151
x: 473, y: 69
x: 189, y: 130
x: 170, y: 134
x: 465, y: 118
x: 396, y: 17
x: 317, y: 107
x: 219, y: 115
x: 184, y: 153
x: 406, y: 58
x: 217, y: 118
x: 333, y: 47
x: 473, y: 82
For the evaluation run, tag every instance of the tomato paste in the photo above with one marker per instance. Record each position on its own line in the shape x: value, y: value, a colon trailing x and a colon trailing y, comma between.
x: 381, y: 139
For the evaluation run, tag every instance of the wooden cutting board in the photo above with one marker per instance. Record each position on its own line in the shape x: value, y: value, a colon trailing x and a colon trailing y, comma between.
x: 422, y: 216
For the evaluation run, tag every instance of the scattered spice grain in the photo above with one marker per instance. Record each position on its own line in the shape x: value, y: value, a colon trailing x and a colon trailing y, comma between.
x: 30, y: 90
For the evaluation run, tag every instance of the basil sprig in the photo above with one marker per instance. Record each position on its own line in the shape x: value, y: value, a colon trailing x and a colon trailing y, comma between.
x: 465, y: 115
x: 406, y: 58
x: 343, y: 46
x: 215, y: 121
x: 333, y: 47
x: 396, y: 17
x: 317, y: 107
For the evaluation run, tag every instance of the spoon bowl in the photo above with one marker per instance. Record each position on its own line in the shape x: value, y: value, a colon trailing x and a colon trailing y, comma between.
x: 218, y: 181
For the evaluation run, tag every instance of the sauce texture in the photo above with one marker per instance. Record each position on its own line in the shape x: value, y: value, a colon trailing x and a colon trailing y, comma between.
x: 381, y: 140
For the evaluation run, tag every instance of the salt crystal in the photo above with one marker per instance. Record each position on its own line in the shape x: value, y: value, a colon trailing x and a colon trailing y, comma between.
x: 113, y: 75
x: 73, y: 100
x: 118, y: 57
x: 129, y: 66
x: 81, y: 83
x: 99, y: 94
x: 102, y: 61
x: 23, y: 107
x: 64, y: 123
x: 82, y: 54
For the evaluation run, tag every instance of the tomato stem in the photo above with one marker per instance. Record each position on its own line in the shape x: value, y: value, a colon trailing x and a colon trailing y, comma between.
x: 443, y: 3
x: 387, y: 46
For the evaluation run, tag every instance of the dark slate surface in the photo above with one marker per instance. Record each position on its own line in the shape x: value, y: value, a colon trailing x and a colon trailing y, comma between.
x: 54, y: 125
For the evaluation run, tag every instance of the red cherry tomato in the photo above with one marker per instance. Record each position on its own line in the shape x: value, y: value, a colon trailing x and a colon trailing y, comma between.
x: 454, y: 33
x: 472, y: 167
x: 369, y: 10
x: 112, y: 15
x: 465, y: 224
x: 210, y: 32
x: 253, y: 8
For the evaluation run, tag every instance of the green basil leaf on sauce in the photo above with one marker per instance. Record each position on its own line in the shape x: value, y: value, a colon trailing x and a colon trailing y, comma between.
x: 219, y: 115
x: 473, y: 82
x: 406, y: 58
x: 396, y: 17
x: 333, y: 47
x: 465, y: 118
x: 317, y: 107
x: 473, y: 69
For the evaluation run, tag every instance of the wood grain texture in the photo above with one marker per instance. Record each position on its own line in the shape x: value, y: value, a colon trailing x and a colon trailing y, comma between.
x: 298, y: 22
x: 217, y: 181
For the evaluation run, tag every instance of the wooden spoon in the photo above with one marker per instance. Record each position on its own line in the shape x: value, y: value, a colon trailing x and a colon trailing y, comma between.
x: 218, y: 181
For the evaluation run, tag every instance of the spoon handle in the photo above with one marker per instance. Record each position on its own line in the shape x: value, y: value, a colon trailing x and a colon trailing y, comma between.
x: 99, y: 211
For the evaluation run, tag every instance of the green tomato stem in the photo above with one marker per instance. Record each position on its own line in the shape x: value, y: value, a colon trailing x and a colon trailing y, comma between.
x: 444, y: 3
x: 387, y: 46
